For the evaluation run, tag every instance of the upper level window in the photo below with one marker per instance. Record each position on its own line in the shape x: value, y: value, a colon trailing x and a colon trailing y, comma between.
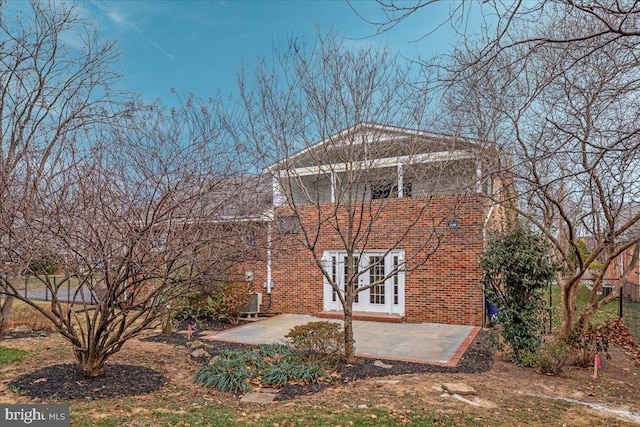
x: 249, y: 239
x: 289, y: 224
x: 406, y: 189
x: 389, y: 189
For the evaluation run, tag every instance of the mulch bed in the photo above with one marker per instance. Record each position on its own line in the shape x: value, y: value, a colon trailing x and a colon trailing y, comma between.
x: 478, y: 358
x: 66, y: 382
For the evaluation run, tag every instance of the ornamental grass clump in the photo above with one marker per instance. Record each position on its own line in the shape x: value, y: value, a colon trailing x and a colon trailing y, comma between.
x: 229, y: 373
x: 268, y: 365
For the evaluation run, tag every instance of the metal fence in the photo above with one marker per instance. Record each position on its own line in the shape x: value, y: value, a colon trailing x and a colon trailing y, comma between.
x: 629, y: 305
x: 626, y: 305
x: 67, y: 289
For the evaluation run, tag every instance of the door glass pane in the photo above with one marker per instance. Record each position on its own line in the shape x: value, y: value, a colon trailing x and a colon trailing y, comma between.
x: 376, y: 273
x: 334, y: 276
x: 396, y: 280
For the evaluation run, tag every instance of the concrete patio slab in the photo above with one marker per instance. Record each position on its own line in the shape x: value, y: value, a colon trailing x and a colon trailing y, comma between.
x: 412, y: 342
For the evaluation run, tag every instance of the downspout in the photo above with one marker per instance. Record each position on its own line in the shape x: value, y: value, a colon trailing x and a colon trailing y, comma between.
x: 268, y: 284
x: 484, y: 245
x: 269, y: 258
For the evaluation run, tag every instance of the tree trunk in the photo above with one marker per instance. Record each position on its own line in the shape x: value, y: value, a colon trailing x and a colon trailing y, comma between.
x: 5, y: 312
x: 569, y: 307
x: 349, y: 348
x: 91, y: 363
x: 167, y: 324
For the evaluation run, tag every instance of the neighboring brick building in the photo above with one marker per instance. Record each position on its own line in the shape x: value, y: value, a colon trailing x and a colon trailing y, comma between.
x: 624, y: 271
x: 418, y: 202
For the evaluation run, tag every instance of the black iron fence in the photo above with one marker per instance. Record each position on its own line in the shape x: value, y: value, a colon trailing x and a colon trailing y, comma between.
x: 629, y: 306
x: 625, y: 306
x: 66, y: 289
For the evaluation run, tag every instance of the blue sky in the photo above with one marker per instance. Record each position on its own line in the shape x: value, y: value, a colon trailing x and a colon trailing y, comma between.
x: 197, y: 46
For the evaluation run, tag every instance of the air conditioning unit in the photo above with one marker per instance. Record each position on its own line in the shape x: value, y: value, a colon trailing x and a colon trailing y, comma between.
x: 253, y: 305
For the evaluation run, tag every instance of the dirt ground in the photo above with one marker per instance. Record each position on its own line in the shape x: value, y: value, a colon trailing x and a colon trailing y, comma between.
x: 515, y: 396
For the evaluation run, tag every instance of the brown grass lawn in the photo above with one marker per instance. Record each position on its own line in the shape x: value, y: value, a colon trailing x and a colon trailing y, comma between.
x: 506, y: 395
x: 22, y: 314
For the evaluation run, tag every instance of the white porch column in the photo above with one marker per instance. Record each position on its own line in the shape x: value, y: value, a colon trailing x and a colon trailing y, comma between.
x: 400, y: 181
x: 333, y: 187
x: 278, y: 195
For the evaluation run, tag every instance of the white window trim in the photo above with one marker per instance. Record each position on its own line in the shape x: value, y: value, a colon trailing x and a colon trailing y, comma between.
x: 389, y: 307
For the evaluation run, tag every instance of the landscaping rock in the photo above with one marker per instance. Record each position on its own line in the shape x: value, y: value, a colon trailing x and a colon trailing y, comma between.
x: 22, y: 328
x: 381, y: 364
x: 467, y: 401
x: 260, y: 396
x: 199, y: 354
x: 458, y: 388
x: 198, y: 344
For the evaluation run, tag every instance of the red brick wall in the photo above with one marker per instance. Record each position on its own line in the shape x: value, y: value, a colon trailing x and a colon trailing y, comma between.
x: 619, y: 273
x: 446, y: 288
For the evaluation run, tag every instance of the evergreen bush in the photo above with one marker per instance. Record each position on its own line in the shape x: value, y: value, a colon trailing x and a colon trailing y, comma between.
x: 517, y: 266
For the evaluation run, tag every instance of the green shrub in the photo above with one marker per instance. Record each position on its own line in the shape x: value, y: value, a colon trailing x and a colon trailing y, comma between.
x: 528, y: 358
x: 47, y: 265
x: 309, y: 373
x: 321, y: 342
x: 228, y: 300
x: 275, y: 351
x: 516, y: 266
x: 553, y: 357
x: 276, y: 376
x: 193, y: 306
x: 222, y: 301
x: 229, y: 375
x: 273, y: 365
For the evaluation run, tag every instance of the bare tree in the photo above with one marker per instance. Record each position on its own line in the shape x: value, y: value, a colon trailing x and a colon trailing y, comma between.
x: 55, y: 84
x: 322, y: 119
x: 554, y: 81
x: 135, y: 222
x: 568, y: 115
x: 607, y: 21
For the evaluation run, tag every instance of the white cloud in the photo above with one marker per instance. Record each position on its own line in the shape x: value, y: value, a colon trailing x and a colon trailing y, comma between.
x: 116, y: 16
x: 124, y: 21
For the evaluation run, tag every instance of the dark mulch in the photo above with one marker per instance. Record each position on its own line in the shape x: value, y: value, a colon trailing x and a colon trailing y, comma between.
x: 66, y: 382
x: 478, y: 358
x: 181, y: 339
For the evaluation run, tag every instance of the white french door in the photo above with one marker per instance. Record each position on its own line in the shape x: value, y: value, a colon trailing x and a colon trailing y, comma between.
x: 385, y: 272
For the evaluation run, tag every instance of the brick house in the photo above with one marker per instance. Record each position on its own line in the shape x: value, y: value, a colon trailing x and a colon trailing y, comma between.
x: 418, y: 209
x: 624, y: 272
